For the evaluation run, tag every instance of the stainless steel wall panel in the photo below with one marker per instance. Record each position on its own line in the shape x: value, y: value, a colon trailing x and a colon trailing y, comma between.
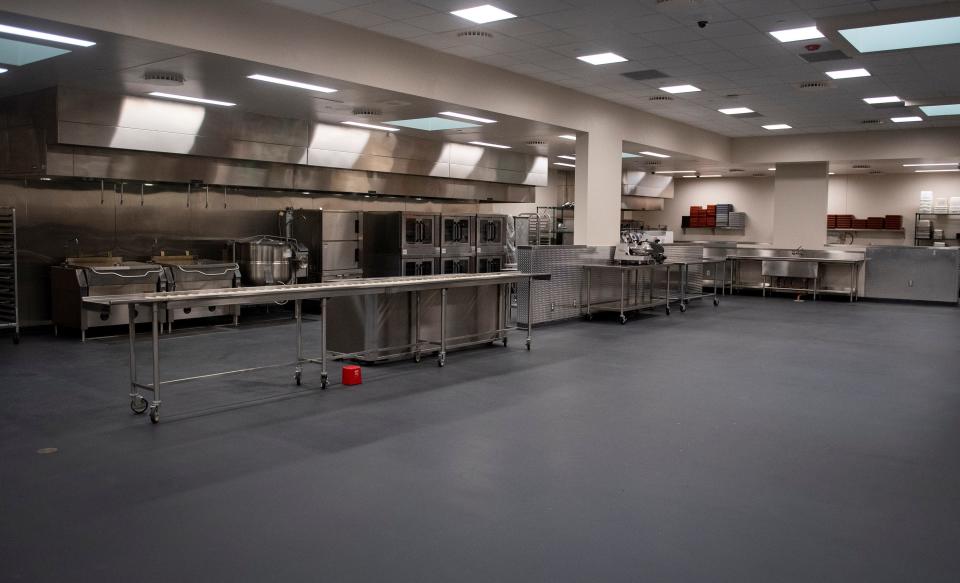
x: 912, y: 273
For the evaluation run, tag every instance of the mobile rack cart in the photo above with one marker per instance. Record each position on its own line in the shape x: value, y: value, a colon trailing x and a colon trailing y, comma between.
x: 9, y: 298
x: 634, y: 287
x: 719, y: 280
x: 156, y: 303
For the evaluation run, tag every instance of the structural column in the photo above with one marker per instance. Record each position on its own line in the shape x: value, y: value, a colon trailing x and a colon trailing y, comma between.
x: 800, y: 205
x: 598, y: 187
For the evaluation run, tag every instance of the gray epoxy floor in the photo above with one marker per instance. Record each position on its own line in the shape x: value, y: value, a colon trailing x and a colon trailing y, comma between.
x: 762, y: 441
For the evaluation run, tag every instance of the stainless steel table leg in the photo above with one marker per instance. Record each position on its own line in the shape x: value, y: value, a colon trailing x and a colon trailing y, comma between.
x: 155, y: 336
x: 323, y: 343
x: 853, y: 267
x: 667, y: 291
x: 529, y: 312
x: 298, y: 316
x: 589, y: 293
x: 137, y: 403
x: 623, y: 317
x: 442, y: 357
x: 416, y: 326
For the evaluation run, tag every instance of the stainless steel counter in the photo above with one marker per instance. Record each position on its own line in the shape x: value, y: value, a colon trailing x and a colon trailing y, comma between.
x: 158, y: 302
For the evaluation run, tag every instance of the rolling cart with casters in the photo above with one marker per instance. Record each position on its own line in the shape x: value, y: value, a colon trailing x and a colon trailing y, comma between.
x: 633, y: 288
x: 9, y: 297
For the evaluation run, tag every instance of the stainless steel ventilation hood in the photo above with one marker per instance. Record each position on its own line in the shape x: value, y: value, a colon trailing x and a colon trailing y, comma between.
x: 637, y: 183
x: 73, y: 132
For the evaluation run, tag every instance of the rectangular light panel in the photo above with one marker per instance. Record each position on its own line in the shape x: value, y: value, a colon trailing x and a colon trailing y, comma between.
x: 16, y: 31
x: 941, y: 170
x: 888, y: 99
x: 735, y: 110
x: 564, y: 164
x: 432, y: 124
x: 795, y: 34
x: 569, y: 137
x: 568, y: 157
x: 483, y: 14
x: 628, y: 155
x: 680, y: 89
x: 192, y: 99
x: 932, y: 164
x: 848, y: 73
x: 904, y: 35
x: 489, y: 145
x: 469, y: 117
x: 2, y: 70
x: 602, y: 58
x: 370, y: 126
x: 19, y: 53
x: 906, y: 119
x: 777, y: 126
x: 950, y: 109
x: 655, y: 154
x: 289, y: 83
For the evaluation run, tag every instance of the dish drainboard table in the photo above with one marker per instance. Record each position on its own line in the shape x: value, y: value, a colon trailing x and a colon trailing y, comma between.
x: 157, y: 302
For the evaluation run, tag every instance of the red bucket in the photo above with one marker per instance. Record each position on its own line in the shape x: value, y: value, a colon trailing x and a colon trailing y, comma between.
x: 351, y: 375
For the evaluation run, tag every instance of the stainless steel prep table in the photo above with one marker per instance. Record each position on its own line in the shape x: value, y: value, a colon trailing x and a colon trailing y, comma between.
x: 160, y: 301
x: 854, y: 264
x: 631, y: 289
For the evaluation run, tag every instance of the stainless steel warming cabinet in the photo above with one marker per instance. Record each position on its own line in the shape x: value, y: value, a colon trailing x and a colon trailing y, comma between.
x: 458, y: 235
x: 392, y: 241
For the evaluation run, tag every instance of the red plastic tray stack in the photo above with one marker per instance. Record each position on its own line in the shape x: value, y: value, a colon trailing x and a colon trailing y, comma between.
x: 845, y: 221
x: 893, y: 222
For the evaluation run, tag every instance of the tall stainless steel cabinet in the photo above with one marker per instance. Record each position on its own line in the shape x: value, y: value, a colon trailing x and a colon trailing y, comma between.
x: 396, y: 243
x: 342, y: 242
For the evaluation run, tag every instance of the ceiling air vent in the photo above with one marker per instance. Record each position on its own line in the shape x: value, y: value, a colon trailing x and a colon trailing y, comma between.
x: 860, y: 166
x: 875, y: 172
x: 736, y: 170
x: 475, y: 35
x: 367, y: 112
x: 872, y: 122
x: 758, y: 174
x: 813, y: 85
x: 660, y: 98
x: 167, y: 78
x: 537, y: 142
x: 645, y: 75
x: 652, y: 163
x: 820, y: 57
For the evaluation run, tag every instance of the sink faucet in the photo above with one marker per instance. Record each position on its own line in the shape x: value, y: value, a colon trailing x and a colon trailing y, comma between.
x: 798, y: 252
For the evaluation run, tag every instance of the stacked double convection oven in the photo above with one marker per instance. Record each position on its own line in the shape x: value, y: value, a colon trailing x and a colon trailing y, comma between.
x: 399, y: 243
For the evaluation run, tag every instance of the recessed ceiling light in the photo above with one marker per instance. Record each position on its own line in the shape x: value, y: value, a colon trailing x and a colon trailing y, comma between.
x: 192, y: 99
x: 148, y: 184
x: 772, y: 169
x: 568, y: 157
x: 795, y: 34
x: 848, y: 73
x: 370, y: 126
x: 940, y: 170
x: 629, y: 155
x: 888, y: 99
x: 906, y: 119
x: 45, y: 36
x: 565, y: 164
x: 778, y: 126
x: 932, y: 164
x: 2, y: 70
x: 735, y: 110
x: 602, y: 58
x: 675, y: 171
x: 831, y: 173
x: 680, y: 89
x: 904, y: 35
x: 655, y: 154
x: 569, y: 137
x: 489, y: 145
x: 704, y: 176
x: 483, y: 14
x: 289, y: 83
x: 46, y: 178
x: 465, y: 116
x: 951, y: 109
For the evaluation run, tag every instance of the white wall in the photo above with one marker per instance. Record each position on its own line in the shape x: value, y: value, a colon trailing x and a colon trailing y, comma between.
x: 753, y: 196
x: 860, y: 195
x: 891, y: 194
x: 800, y: 205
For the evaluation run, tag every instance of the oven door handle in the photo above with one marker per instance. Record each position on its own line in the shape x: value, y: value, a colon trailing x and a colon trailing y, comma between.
x: 137, y: 276
x: 211, y: 274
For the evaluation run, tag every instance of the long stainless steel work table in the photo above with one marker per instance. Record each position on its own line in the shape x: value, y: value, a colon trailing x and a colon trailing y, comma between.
x: 772, y: 267
x: 157, y: 303
x: 634, y: 296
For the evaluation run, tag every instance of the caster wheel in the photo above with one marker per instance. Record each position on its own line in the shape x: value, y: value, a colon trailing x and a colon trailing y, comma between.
x: 683, y: 308
x: 589, y: 317
x: 16, y: 338
x: 528, y: 345
x: 716, y: 302
x: 417, y: 357
x: 441, y: 360
x: 668, y: 311
x: 298, y: 376
x: 504, y: 342
x: 324, y: 382
x: 623, y: 319
x: 155, y: 415
x: 139, y: 405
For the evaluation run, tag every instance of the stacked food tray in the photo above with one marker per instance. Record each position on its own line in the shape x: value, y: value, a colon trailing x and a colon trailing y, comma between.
x: 924, y: 229
x: 723, y: 214
x: 845, y: 221
x: 874, y: 222
x: 737, y: 220
x: 893, y: 222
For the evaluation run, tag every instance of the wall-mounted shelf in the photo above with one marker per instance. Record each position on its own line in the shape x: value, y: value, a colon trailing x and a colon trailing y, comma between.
x: 899, y: 231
